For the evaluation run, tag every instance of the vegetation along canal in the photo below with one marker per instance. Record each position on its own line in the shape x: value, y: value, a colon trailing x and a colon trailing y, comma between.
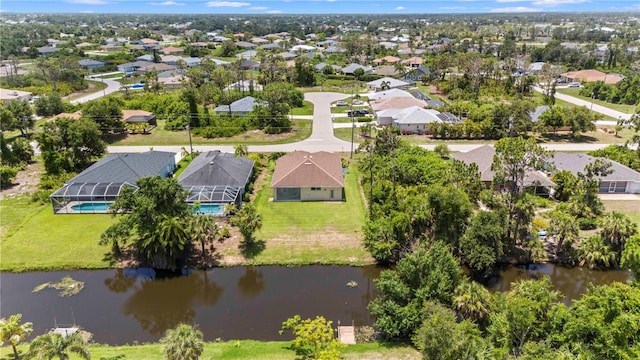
x: 127, y: 306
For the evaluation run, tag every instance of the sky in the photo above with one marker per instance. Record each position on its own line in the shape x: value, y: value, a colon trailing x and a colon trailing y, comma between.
x: 316, y: 6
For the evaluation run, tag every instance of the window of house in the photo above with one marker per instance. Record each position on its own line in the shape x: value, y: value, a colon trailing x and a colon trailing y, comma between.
x: 315, y: 189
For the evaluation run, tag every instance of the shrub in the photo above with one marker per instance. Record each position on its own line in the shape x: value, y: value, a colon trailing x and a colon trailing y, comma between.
x: 7, y: 175
x: 587, y: 224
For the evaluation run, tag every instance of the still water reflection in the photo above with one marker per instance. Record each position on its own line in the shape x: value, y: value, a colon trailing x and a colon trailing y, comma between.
x: 123, y: 306
x: 571, y: 282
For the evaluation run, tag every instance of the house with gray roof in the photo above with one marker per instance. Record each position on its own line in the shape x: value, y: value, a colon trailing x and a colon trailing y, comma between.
x: 388, y: 83
x: 271, y: 46
x: 351, y: 68
x: 483, y: 158
x: 91, y: 64
x: 101, y: 183
x: 622, y: 180
x: 320, y: 67
x: 239, y: 108
x: 215, y: 177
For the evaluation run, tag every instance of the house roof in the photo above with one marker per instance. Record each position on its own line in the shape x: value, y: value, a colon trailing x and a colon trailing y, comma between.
x: 483, y: 157
x: 393, y: 83
x: 576, y: 162
x: 396, y: 103
x: 413, y: 60
x: 416, y: 115
x: 213, y: 168
x: 349, y: 69
x: 389, y: 94
x: 385, y: 70
x: 172, y: 49
x: 305, y: 169
x: 539, y: 110
x: 591, y: 75
x: 245, y: 44
x: 90, y: 62
x: 128, y: 114
x: 125, y: 167
x: 246, y: 104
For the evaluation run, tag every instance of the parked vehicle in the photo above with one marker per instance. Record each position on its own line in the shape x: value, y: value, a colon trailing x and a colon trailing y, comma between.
x: 574, y: 85
x: 341, y: 103
x: 356, y: 113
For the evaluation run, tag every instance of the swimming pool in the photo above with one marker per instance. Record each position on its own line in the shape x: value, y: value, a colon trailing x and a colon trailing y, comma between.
x: 210, y: 209
x: 137, y: 86
x: 92, y: 207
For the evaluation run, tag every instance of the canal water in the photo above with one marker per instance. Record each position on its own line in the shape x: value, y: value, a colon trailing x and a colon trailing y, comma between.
x: 127, y: 306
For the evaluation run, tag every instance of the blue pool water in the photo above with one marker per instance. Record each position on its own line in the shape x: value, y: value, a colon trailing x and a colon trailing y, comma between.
x: 210, y: 209
x: 91, y: 207
x: 137, y: 86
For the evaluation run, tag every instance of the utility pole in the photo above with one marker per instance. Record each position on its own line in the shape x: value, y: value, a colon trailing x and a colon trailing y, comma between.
x: 352, y: 124
x: 190, y: 143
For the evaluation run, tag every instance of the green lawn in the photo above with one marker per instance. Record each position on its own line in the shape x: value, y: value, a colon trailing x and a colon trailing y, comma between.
x: 34, y: 238
x: 238, y: 350
x: 630, y: 208
x: 575, y: 92
x: 160, y: 136
x: 306, y: 109
x: 312, y: 232
x: 94, y: 87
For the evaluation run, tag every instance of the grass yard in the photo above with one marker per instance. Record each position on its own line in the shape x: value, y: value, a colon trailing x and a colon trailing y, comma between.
x: 160, y: 136
x: 238, y: 350
x: 306, y: 109
x: 631, y: 208
x: 34, y: 238
x: 312, y: 232
x: 575, y: 92
x: 94, y: 87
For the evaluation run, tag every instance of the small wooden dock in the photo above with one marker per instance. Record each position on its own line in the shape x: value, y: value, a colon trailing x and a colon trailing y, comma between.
x: 346, y: 335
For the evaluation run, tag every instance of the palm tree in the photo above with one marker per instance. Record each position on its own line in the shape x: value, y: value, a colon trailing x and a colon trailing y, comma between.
x: 13, y: 331
x: 167, y: 244
x: 203, y: 229
x: 593, y: 252
x: 49, y: 346
x: 182, y: 343
x: 385, y: 85
x: 617, y: 228
x: 248, y: 221
x: 565, y: 227
x: 472, y: 300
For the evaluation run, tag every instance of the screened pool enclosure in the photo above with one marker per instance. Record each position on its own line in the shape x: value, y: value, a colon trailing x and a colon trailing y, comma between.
x: 75, y: 198
x: 217, y: 194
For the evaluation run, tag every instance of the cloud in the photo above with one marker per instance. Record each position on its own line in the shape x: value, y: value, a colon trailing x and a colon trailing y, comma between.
x: 331, y: 0
x: 232, y: 4
x: 166, y: 3
x: 88, y: 2
x: 258, y: 8
x: 400, y: 8
x: 274, y: 12
x: 514, y: 9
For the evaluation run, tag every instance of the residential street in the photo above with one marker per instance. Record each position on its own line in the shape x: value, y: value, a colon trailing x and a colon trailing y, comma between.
x: 597, y: 108
x: 112, y: 86
x: 322, y: 138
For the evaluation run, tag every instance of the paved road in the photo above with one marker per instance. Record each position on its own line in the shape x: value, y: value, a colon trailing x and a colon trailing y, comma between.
x: 322, y: 138
x: 595, y: 107
x: 112, y: 86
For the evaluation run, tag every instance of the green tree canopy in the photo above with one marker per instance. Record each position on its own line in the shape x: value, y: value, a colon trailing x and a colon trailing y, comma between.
x: 182, y: 343
x: 70, y: 145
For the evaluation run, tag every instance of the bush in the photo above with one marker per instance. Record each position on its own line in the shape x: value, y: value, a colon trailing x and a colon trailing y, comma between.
x: 587, y: 224
x: 7, y: 175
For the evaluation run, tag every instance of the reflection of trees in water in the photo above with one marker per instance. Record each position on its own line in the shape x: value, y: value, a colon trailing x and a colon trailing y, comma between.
x: 369, y: 273
x: 119, y: 283
x: 159, y: 305
x: 251, y: 283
